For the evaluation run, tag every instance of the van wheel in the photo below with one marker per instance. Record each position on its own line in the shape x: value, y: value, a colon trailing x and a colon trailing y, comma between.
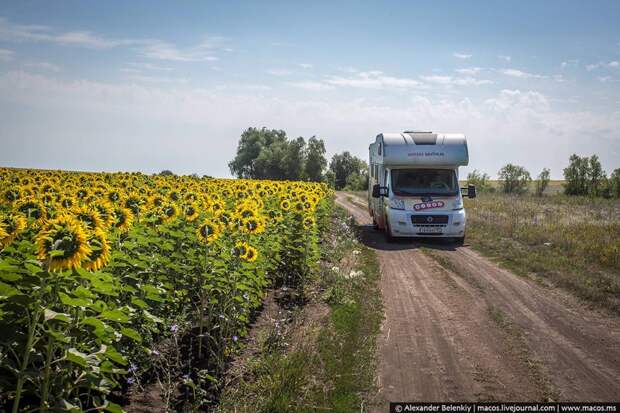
x: 388, y: 232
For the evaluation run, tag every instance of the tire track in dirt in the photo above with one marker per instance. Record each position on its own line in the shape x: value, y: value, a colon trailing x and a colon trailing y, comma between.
x: 457, y: 327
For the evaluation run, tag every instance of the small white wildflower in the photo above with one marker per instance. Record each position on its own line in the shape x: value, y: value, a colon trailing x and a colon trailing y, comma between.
x: 335, y: 269
x: 356, y: 252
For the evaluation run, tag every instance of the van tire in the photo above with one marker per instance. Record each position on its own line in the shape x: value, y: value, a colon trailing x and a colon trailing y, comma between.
x: 388, y: 232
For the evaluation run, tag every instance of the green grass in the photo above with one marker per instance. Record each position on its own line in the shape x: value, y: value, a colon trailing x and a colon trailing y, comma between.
x: 331, y: 366
x: 571, y: 242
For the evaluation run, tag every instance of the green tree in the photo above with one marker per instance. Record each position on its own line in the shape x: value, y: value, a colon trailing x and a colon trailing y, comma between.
x: 315, y: 160
x: 542, y: 181
x: 252, y: 145
x: 585, y: 176
x: 345, y: 164
x: 597, y: 179
x: 480, y: 179
x: 269, y: 154
x: 614, y: 183
x: 295, y: 159
x: 514, y: 179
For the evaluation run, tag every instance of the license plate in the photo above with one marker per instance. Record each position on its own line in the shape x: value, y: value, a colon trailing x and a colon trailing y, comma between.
x: 430, y: 230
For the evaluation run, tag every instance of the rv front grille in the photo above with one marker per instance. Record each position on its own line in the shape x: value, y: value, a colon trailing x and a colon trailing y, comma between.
x: 430, y: 220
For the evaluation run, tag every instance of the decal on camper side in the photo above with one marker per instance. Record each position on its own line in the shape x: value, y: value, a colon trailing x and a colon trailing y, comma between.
x: 428, y: 205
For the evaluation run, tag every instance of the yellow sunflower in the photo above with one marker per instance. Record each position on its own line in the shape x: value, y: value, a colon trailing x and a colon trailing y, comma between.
x: 169, y: 212
x: 122, y: 219
x: 285, y: 205
x: 308, y: 222
x: 100, y: 250
x: 245, y: 251
x: 66, y: 236
x: 251, y: 255
x: 253, y: 225
x: 208, y: 231
x: 191, y: 211
x: 89, y: 217
x: 32, y: 208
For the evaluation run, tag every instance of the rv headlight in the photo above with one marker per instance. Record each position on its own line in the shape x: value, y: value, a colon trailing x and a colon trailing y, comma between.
x: 457, y: 205
x: 397, y: 204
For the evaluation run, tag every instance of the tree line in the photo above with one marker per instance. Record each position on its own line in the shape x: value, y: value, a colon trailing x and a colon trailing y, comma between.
x: 583, y: 176
x: 270, y: 154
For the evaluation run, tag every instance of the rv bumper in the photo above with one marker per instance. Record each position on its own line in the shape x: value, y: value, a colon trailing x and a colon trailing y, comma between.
x: 402, y: 225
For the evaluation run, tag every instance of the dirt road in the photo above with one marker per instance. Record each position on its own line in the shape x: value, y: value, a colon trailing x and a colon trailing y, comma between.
x: 458, y: 327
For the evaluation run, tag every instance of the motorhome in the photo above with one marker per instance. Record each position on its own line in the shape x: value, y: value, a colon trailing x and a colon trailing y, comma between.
x: 414, y: 187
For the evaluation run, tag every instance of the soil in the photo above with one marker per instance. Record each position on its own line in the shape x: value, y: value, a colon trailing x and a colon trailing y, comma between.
x: 460, y: 328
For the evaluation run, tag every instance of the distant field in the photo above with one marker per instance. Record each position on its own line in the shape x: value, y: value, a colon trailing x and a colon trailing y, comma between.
x: 572, y: 242
x: 555, y: 186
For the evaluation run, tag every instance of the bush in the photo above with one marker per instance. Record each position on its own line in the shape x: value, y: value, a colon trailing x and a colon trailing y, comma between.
x: 514, y: 179
x: 480, y: 179
x: 585, y: 176
x: 543, y: 181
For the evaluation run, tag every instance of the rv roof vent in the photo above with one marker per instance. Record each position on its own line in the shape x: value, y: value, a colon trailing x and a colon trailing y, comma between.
x: 423, y: 138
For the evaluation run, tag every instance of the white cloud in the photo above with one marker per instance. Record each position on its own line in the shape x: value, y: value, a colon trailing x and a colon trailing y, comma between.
x: 373, y: 79
x: 611, y: 64
x: 569, y: 63
x: 505, y: 57
x: 469, y: 71
x: 309, y: 85
x: 452, y: 81
x: 160, y: 50
x: 104, y: 126
x: 148, y: 66
x: 6, y: 55
x: 279, y: 72
x: 305, y: 65
x: 157, y: 79
x: 39, y: 33
x: 43, y: 66
x: 204, y: 51
x: 85, y: 39
x: 520, y: 74
x: 461, y: 55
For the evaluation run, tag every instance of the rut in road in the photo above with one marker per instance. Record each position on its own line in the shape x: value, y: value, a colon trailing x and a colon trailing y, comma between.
x: 457, y: 327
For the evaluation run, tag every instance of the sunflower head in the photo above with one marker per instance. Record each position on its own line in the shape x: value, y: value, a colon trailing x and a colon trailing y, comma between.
x: 285, y: 205
x: 62, y: 243
x: 122, y: 219
x: 133, y: 203
x: 308, y: 222
x: 32, y: 208
x: 245, y: 251
x: 252, y: 225
x: 169, y: 212
x: 89, y: 217
x: 99, y: 255
x: 208, y: 231
x: 191, y: 211
x: 10, y: 195
x: 105, y: 213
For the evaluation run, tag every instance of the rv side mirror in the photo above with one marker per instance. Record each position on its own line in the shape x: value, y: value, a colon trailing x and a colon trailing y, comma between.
x: 379, y: 191
x: 375, y: 191
x: 471, y: 191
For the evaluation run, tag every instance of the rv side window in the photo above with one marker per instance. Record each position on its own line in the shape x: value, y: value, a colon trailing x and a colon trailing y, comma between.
x: 379, y: 148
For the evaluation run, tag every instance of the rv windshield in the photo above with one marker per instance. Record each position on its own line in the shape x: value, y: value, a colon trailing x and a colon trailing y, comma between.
x: 424, y: 182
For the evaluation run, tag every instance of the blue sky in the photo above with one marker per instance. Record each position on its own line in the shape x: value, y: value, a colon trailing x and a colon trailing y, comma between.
x: 151, y: 85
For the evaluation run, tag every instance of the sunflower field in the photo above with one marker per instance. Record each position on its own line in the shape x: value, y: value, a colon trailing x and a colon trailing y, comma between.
x: 111, y: 281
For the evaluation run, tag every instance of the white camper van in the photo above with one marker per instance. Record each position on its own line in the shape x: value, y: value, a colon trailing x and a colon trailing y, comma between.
x: 414, y: 184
